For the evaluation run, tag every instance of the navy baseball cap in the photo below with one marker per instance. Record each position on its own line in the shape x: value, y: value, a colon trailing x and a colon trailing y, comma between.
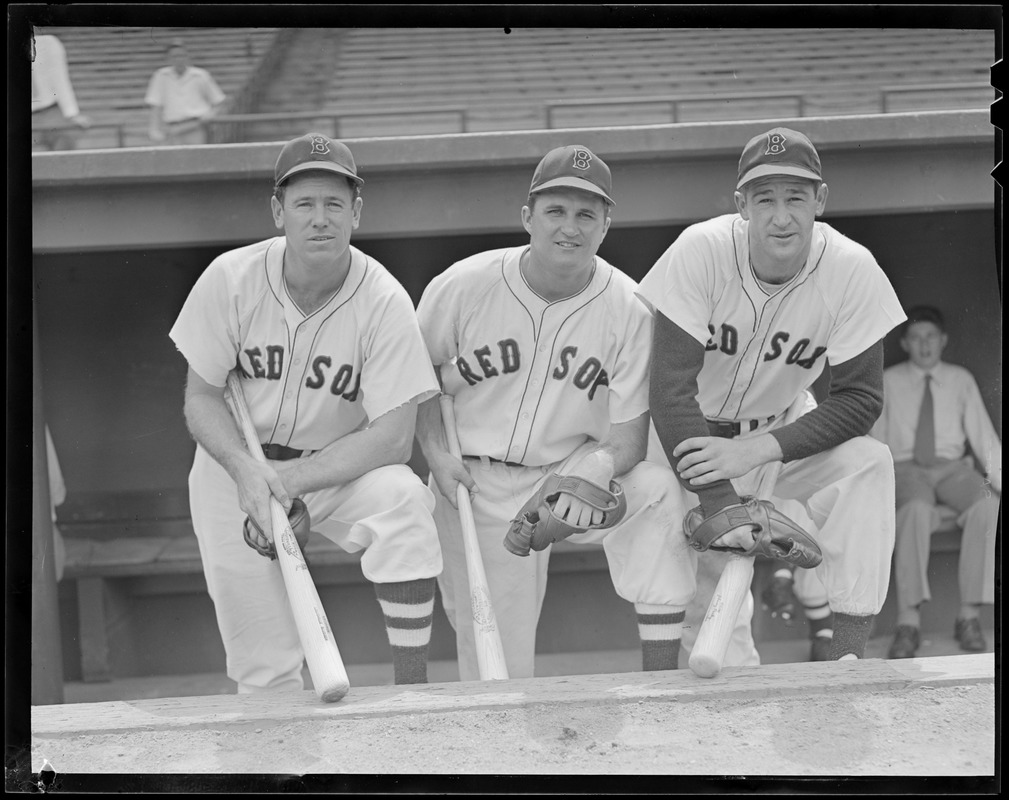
x: 780, y: 151
x: 315, y: 151
x: 575, y: 167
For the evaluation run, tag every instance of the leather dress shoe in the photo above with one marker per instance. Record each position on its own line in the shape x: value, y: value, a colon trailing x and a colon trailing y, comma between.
x: 905, y: 643
x: 968, y: 634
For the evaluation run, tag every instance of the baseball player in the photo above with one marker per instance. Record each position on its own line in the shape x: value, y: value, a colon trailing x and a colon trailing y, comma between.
x: 749, y: 310
x: 545, y: 350
x: 333, y: 366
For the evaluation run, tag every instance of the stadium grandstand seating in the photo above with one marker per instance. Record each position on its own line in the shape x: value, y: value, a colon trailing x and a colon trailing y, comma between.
x: 110, y: 68
x: 362, y: 82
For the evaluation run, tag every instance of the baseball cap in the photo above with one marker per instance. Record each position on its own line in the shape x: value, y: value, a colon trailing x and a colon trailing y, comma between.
x: 576, y: 167
x: 315, y: 151
x: 780, y: 151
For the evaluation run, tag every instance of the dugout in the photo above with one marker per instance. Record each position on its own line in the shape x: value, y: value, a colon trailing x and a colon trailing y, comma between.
x: 119, y: 237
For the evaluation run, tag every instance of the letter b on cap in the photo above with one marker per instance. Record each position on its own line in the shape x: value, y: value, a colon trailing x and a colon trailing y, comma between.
x: 775, y: 144
x: 581, y: 159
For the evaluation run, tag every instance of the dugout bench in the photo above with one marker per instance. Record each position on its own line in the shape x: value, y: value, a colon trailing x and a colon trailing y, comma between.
x: 124, y: 546
x: 127, y: 545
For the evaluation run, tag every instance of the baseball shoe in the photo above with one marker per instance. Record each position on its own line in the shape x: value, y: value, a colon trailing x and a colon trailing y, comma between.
x: 905, y: 643
x: 968, y: 634
x: 779, y: 599
x: 820, y: 648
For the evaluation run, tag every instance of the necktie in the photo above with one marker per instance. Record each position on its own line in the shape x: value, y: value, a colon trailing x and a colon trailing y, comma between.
x: 924, y: 437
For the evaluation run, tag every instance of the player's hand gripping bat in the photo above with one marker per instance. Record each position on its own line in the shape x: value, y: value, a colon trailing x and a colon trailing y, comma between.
x: 329, y: 676
x: 489, y: 652
x: 708, y: 654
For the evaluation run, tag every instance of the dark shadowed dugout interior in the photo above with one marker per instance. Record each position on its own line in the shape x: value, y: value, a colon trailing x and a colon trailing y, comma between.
x: 120, y: 236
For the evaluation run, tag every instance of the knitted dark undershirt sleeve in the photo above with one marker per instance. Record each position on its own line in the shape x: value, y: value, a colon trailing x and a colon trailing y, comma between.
x: 677, y: 358
x: 854, y: 403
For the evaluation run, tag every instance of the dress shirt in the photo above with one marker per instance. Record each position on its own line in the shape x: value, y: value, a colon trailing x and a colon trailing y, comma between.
x: 191, y: 95
x: 960, y: 415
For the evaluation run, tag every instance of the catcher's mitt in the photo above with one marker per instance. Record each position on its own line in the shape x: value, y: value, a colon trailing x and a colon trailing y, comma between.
x: 301, y: 525
x: 538, y: 527
x: 774, y: 534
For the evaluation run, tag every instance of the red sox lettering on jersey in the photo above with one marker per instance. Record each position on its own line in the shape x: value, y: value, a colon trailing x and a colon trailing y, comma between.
x: 308, y: 380
x: 513, y: 360
x: 764, y: 344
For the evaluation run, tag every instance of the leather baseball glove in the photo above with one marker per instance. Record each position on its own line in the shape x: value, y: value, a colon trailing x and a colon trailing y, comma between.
x: 538, y: 527
x: 301, y: 525
x: 774, y: 534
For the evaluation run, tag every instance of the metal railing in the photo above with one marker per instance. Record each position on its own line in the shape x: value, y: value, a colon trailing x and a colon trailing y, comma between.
x: 673, y: 101
x: 887, y: 92
x: 331, y: 120
x: 118, y: 127
x: 232, y: 127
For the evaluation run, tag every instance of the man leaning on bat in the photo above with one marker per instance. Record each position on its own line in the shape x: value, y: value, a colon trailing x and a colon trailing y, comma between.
x: 332, y: 365
x: 544, y: 348
x: 749, y: 309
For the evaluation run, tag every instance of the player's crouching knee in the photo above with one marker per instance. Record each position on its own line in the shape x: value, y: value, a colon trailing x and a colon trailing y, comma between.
x: 651, y: 484
x: 865, y: 455
x: 401, y: 486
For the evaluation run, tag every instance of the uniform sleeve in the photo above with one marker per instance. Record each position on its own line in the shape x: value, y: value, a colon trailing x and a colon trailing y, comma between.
x: 629, y: 383
x: 881, y: 428
x: 438, y: 319
x: 397, y: 368
x: 854, y: 402
x: 868, y: 312
x: 206, y: 330
x: 680, y: 285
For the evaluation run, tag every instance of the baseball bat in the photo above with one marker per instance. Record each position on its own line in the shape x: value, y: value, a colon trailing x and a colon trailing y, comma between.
x: 329, y: 676
x: 489, y: 651
x: 708, y: 654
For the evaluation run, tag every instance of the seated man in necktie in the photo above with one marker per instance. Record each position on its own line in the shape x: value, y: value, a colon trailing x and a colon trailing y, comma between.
x: 932, y: 411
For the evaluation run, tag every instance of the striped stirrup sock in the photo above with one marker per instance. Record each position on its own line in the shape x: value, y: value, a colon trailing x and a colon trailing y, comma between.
x: 660, y: 628
x: 821, y: 621
x: 408, y: 608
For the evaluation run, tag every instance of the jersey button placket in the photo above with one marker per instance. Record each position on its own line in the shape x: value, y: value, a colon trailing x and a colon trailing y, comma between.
x: 524, y: 423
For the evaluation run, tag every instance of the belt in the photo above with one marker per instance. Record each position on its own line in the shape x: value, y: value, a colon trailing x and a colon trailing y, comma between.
x: 185, y: 121
x: 727, y: 429
x: 496, y: 461
x: 279, y: 452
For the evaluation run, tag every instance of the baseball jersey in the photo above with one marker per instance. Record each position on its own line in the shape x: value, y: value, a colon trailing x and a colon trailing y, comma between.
x: 764, y: 345
x: 533, y: 380
x: 308, y: 380
x: 191, y: 94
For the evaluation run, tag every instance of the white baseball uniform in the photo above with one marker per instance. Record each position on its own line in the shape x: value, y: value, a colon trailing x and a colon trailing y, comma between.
x: 536, y: 385
x: 308, y: 381
x: 766, y: 344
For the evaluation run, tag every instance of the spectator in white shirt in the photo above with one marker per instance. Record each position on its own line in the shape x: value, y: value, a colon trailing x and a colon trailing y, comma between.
x: 54, y: 105
x: 937, y: 469
x: 182, y: 98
